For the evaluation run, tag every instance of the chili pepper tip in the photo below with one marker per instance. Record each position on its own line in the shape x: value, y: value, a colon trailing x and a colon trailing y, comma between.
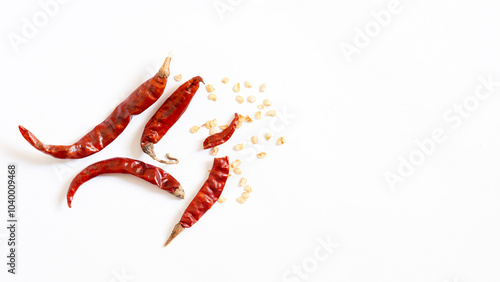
x: 179, y: 192
x: 177, y: 230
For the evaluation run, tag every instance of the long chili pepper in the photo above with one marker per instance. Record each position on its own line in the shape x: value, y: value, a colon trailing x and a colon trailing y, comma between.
x: 150, y: 173
x: 206, y: 197
x: 108, y: 130
x: 166, y: 116
x: 223, y: 136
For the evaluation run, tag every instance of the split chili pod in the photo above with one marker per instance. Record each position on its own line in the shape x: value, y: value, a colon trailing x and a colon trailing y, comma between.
x: 108, y: 130
x: 205, y: 198
x: 150, y: 173
x: 166, y: 116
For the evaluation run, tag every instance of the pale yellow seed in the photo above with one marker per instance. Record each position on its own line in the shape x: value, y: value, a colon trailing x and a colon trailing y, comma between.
x: 210, y: 88
x: 248, y: 119
x: 236, y: 87
x: 281, y: 140
x: 213, y: 130
x: 248, y: 188
x: 237, y: 170
x: 263, y: 87
x: 261, y: 155
x: 240, y: 99
x: 239, y: 124
x: 223, y: 126
x: 243, y: 181
x: 238, y: 147
x: 254, y: 139
x: 268, y: 136
x: 215, y: 150
x: 271, y: 113
x: 178, y: 77
x: 221, y: 199
x: 248, y: 84
x: 251, y: 99
x: 240, y: 200
x: 236, y: 163
x: 211, y: 123
x: 212, y: 97
x: 260, y: 107
x: 225, y: 80
x: 267, y: 102
x: 258, y: 115
x: 194, y: 129
x: 245, y: 195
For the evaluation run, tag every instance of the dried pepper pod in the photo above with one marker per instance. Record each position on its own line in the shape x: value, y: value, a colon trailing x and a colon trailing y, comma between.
x: 221, y: 137
x: 150, y: 173
x: 205, y: 198
x: 167, y: 115
x: 108, y: 130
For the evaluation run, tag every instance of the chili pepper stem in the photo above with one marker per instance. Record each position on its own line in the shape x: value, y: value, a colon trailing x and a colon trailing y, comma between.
x: 165, y: 68
x: 177, y: 230
x: 148, y: 148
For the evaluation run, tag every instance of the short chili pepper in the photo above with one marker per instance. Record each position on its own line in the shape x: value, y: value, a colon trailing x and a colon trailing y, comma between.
x: 108, y: 130
x: 150, y: 173
x: 167, y: 115
x: 205, y: 198
x: 223, y: 136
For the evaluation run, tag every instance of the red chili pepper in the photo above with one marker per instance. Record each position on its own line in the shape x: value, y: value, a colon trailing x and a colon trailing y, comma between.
x: 206, y: 197
x: 167, y: 115
x: 108, y: 130
x: 223, y: 136
x: 150, y: 173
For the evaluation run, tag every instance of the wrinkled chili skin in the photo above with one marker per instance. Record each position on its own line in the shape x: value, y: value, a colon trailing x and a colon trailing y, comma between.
x: 108, y: 130
x: 221, y: 137
x: 208, y: 194
x: 150, y: 173
x: 170, y: 111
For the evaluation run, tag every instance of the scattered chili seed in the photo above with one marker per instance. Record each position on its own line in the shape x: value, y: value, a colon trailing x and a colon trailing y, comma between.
x: 211, y: 123
x: 251, y: 99
x: 267, y: 102
x: 271, y: 113
x: 263, y: 87
x: 240, y: 99
x: 213, y: 130
x: 215, y: 150
x: 212, y: 97
x: 238, y: 147
x: 268, y: 136
x: 236, y: 163
x: 237, y: 170
x: 260, y: 107
x: 261, y: 155
x: 254, y: 139
x: 224, y: 126
x: 210, y: 88
x: 248, y: 119
x: 240, y: 200
x: 245, y: 195
x: 243, y: 181
x: 236, y: 87
x: 258, y: 115
x: 225, y: 80
x: 248, y: 188
x: 281, y: 140
x: 194, y: 129
x: 221, y: 199
x: 248, y: 84
x: 239, y: 124
x: 178, y: 77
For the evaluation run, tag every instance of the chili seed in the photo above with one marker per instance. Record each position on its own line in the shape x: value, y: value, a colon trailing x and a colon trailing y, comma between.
x: 251, y: 99
x: 254, y: 139
x: 221, y: 199
x: 212, y: 97
x: 225, y: 80
x: 223, y: 126
x: 271, y: 113
x: 215, y: 150
x: 263, y: 87
x: 245, y: 195
x: 261, y: 155
x: 267, y: 102
x: 211, y: 123
x: 268, y: 136
x: 210, y: 88
x: 240, y: 99
x: 238, y: 147
x: 258, y: 115
x: 178, y: 77
x: 239, y: 124
x: 248, y: 119
x: 243, y: 181
x: 237, y: 170
x: 194, y: 129
x: 213, y: 130
x: 281, y: 140
x: 248, y: 188
x: 240, y: 200
x: 236, y: 87
x: 236, y: 163
x: 260, y: 107
x: 248, y: 84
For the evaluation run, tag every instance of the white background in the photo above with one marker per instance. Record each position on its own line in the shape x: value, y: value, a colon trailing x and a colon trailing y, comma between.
x: 350, y: 122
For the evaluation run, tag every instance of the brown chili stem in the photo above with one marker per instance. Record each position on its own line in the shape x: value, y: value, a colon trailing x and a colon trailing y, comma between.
x: 165, y: 68
x: 177, y: 230
x: 149, y: 150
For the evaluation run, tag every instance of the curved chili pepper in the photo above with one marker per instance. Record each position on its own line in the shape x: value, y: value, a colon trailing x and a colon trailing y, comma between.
x: 223, y: 136
x: 150, y: 173
x: 167, y: 115
x: 108, y: 130
x: 206, y: 197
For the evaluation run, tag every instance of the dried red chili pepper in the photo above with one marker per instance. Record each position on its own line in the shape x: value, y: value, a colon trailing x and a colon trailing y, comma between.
x: 206, y: 197
x: 150, y: 173
x: 108, y: 130
x: 167, y: 115
x: 223, y: 136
